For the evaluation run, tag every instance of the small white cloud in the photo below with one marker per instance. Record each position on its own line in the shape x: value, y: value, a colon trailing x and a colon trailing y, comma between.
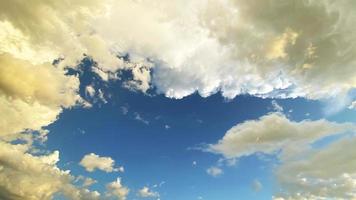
x: 276, y: 106
x: 167, y: 126
x: 90, y: 91
x: 214, y: 171
x: 101, y: 96
x: 92, y: 162
x: 124, y: 110
x: 145, y: 192
x: 138, y: 117
x: 85, y: 181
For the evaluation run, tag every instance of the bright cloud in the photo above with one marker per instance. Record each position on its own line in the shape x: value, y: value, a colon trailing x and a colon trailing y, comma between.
x: 92, y: 162
x: 273, y: 132
x: 304, y: 172
x: 181, y: 47
x: 145, y: 192
x: 177, y: 48
x: 32, y: 96
x: 25, y: 176
x: 117, y: 190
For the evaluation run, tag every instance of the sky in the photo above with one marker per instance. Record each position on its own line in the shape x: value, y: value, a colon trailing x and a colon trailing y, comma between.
x: 177, y: 100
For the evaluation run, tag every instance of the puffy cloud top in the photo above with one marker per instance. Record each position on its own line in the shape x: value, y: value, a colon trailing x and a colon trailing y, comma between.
x: 92, y: 162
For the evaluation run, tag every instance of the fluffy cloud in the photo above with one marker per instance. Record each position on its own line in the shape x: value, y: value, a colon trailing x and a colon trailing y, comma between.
x: 273, y: 132
x: 25, y: 176
x: 304, y: 171
x: 180, y: 47
x: 328, y: 173
x: 66, y: 31
x: 117, y: 190
x: 238, y: 47
x: 145, y: 192
x: 92, y: 162
x: 32, y: 95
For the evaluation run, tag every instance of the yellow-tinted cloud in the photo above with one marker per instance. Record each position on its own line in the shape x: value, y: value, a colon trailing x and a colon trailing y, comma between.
x: 25, y: 176
x: 32, y: 96
x: 117, y: 190
x: 303, y: 172
x: 92, y: 162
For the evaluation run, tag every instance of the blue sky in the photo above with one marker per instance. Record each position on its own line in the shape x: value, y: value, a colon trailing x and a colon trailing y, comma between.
x: 164, y: 147
x: 177, y: 100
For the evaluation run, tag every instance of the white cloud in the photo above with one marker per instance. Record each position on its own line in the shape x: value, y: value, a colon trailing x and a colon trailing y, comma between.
x: 32, y: 96
x: 273, y: 132
x: 92, y: 162
x: 303, y: 172
x: 206, y: 46
x: 225, y: 46
x: 323, y: 173
x: 86, y: 181
x: 276, y: 106
x: 214, y: 171
x: 353, y: 105
x: 116, y: 189
x: 89, y: 90
x: 145, y: 192
x: 138, y: 117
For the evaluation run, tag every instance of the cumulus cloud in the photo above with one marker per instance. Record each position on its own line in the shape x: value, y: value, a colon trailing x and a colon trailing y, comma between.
x: 325, y: 173
x: 304, y: 172
x: 117, y: 190
x: 214, y: 171
x: 32, y: 96
x: 91, y: 162
x: 145, y: 192
x: 238, y: 47
x: 180, y: 47
x: 272, y: 133
x: 26, y: 176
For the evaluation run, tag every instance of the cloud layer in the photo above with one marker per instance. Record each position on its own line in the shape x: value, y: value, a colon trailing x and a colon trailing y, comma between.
x: 180, y: 47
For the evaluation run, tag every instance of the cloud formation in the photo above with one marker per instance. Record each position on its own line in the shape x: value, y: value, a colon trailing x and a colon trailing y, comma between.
x: 240, y: 47
x: 304, y: 172
x: 180, y: 47
x: 145, y: 192
x: 117, y: 190
x: 32, y: 96
x: 91, y: 162
x: 25, y: 176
